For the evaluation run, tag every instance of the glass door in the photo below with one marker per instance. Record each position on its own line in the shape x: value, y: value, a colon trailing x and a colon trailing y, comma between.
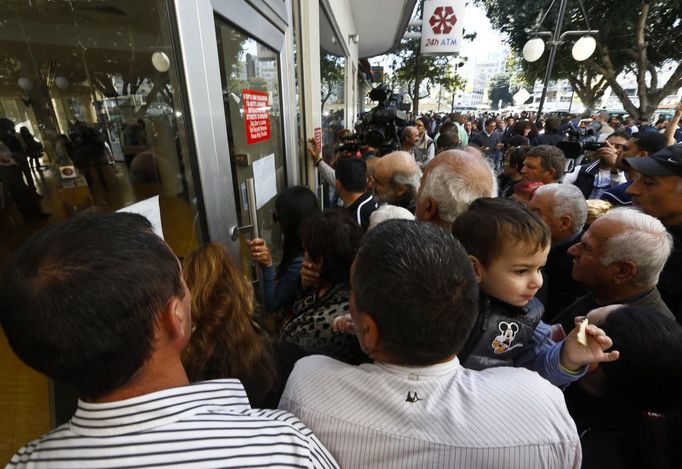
x: 251, y: 90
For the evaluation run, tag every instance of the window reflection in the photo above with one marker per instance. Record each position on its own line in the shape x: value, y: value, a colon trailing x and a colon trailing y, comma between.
x: 92, y: 93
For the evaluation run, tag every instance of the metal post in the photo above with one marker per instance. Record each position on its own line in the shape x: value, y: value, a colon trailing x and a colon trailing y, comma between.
x: 552, y: 53
x: 255, y: 229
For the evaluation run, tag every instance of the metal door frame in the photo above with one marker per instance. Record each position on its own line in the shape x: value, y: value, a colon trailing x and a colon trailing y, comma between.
x: 268, y: 21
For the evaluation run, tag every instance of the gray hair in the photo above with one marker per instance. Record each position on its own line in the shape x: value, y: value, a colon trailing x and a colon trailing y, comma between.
x: 453, y: 191
x: 411, y: 181
x: 567, y: 199
x: 388, y: 212
x: 642, y: 240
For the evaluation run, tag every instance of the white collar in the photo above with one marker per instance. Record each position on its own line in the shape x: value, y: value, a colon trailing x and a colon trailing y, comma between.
x: 416, y: 372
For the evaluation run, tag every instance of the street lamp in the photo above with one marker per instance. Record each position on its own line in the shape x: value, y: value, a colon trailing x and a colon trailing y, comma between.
x: 535, y: 47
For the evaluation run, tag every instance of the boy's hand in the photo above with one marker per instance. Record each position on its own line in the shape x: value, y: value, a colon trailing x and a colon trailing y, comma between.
x: 343, y: 324
x: 574, y: 355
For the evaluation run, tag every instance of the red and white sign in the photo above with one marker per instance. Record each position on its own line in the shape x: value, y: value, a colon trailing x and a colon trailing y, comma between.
x: 442, y: 27
x: 317, y: 133
x: 256, y: 115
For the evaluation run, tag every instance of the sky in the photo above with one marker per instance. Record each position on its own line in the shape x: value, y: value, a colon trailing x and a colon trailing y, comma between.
x: 475, y: 20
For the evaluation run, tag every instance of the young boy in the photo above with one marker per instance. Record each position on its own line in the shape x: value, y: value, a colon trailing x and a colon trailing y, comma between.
x: 508, y: 245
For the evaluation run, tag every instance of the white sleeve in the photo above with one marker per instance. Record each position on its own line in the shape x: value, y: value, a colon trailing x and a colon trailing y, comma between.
x: 570, y: 178
x: 327, y: 172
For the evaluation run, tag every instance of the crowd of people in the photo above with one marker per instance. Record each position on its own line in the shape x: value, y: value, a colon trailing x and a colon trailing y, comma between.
x: 466, y: 303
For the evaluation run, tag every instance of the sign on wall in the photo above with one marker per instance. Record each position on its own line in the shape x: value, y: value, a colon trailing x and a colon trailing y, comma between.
x: 256, y: 115
x: 442, y: 27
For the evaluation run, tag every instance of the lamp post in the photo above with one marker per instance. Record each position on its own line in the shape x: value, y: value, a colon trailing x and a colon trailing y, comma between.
x: 582, y: 49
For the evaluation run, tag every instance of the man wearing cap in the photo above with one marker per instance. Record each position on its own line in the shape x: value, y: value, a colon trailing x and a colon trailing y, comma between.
x: 658, y: 191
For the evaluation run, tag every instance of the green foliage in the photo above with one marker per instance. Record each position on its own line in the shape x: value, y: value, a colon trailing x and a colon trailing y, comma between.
x: 498, y: 90
x: 624, y: 43
x: 331, y: 74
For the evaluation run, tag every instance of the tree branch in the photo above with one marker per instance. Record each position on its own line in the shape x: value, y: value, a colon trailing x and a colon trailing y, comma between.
x: 642, y: 59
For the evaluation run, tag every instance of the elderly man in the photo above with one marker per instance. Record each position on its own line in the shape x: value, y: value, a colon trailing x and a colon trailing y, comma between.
x: 415, y: 406
x: 562, y: 207
x: 658, y: 191
x: 99, y: 302
x: 450, y: 183
x: 619, y: 259
x: 593, y: 179
x: 544, y: 163
x: 410, y: 137
x: 395, y: 180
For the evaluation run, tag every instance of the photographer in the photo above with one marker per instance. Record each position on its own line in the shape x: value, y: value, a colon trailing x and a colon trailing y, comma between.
x: 593, y: 179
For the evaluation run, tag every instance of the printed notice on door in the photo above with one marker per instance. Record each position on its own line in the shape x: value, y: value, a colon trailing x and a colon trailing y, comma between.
x: 256, y: 115
x: 265, y: 179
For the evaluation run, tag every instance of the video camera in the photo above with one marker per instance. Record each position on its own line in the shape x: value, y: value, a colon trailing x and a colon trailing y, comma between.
x: 379, y: 127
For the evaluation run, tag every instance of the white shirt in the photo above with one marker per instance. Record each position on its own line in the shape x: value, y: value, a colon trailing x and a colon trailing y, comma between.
x: 207, y: 424
x: 386, y: 416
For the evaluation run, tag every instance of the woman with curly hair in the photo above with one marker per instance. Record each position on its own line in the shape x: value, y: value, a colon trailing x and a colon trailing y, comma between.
x: 226, y: 340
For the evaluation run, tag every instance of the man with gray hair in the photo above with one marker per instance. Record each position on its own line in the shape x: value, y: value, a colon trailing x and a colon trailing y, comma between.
x: 562, y: 207
x: 453, y: 180
x: 619, y: 260
x: 394, y: 179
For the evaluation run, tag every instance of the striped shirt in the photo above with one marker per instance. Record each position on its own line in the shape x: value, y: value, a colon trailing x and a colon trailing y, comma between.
x: 386, y: 416
x: 207, y: 424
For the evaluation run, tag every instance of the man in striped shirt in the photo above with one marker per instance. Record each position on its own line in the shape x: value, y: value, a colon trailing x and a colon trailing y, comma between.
x: 99, y: 302
x: 413, y: 306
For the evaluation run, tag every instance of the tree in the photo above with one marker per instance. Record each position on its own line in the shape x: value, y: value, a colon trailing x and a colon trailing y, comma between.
x: 636, y: 36
x: 331, y: 74
x: 499, y: 90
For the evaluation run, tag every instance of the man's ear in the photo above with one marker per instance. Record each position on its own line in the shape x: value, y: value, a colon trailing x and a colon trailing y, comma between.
x: 624, y: 271
x: 338, y: 186
x: 565, y: 221
x: 370, y: 334
x: 430, y: 206
x: 400, y: 190
x: 478, y: 268
x: 552, y: 173
x: 174, y: 320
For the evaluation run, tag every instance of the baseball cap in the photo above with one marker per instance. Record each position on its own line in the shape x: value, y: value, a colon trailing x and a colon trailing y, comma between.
x: 667, y: 162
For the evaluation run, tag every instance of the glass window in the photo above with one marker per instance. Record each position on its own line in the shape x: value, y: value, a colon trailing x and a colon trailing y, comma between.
x: 251, y: 93
x: 91, y: 120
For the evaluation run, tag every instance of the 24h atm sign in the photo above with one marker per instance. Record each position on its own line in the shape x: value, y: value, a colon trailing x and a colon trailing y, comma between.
x: 442, y: 27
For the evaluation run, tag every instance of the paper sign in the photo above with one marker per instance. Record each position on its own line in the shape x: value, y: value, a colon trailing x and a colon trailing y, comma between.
x: 442, y: 27
x: 265, y: 179
x: 256, y: 115
x: 150, y: 209
x: 318, y: 136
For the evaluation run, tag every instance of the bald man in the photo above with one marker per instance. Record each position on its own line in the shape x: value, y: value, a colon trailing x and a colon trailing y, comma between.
x: 394, y: 179
x: 453, y: 180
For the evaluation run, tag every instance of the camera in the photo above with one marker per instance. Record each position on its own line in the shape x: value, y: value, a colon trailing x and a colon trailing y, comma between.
x: 593, y: 146
x: 379, y: 127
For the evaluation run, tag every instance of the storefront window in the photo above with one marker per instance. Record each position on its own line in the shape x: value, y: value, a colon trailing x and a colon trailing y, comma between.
x: 91, y: 120
x: 332, y: 81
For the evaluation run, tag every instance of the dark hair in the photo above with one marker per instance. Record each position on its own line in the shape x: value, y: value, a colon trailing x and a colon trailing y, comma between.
x: 334, y: 238
x: 651, y: 142
x: 645, y: 379
x: 81, y: 299
x: 489, y: 121
x: 293, y: 206
x: 520, y: 127
x: 552, y: 124
x: 448, y: 138
x: 491, y: 225
x: 551, y: 157
x: 417, y: 283
x: 352, y: 174
x: 517, y: 156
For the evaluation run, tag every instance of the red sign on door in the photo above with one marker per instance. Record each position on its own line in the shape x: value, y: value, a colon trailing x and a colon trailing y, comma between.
x: 256, y: 115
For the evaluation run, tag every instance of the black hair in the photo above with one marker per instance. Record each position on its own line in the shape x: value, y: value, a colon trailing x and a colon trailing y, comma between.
x: 491, y: 225
x: 293, y: 206
x: 645, y: 383
x: 651, y: 142
x: 352, y: 174
x: 517, y: 156
x: 334, y: 238
x: 489, y: 121
x: 81, y: 299
x: 417, y: 283
x: 550, y: 157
